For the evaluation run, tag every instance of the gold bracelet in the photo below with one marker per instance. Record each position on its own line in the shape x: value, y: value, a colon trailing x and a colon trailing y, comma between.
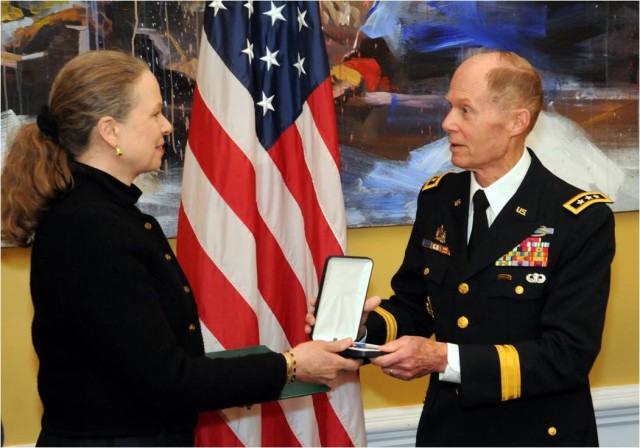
x: 291, y: 365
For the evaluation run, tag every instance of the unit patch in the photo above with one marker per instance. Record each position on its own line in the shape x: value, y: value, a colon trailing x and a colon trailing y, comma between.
x: 583, y: 200
x: 437, y: 247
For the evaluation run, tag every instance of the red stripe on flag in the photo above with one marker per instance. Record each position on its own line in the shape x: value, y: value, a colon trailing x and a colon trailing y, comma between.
x: 278, y: 432
x: 332, y: 433
x: 288, y: 156
x: 209, y: 284
x: 212, y: 430
x: 227, y: 162
x: 324, y: 114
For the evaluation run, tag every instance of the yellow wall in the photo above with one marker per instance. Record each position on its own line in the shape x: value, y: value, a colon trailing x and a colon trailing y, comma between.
x: 616, y: 365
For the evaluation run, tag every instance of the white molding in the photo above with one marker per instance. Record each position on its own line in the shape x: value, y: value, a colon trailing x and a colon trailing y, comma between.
x: 616, y: 410
x: 617, y: 415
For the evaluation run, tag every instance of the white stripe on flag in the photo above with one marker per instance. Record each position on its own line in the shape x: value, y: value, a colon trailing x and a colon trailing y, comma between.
x: 228, y: 100
x: 322, y: 166
x: 208, y: 213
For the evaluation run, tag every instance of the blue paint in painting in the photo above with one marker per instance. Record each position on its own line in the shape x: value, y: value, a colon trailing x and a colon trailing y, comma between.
x: 393, y: 108
x: 439, y: 26
x: 382, y: 19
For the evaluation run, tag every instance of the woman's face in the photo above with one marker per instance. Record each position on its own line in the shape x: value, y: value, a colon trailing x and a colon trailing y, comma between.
x: 141, y: 134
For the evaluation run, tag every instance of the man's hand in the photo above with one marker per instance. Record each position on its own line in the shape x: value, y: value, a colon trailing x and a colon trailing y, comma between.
x: 412, y: 357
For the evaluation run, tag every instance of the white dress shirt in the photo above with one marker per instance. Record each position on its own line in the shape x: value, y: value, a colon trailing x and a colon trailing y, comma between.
x: 498, y: 194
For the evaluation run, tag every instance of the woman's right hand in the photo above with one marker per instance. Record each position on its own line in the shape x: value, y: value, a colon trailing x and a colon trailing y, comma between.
x: 318, y: 361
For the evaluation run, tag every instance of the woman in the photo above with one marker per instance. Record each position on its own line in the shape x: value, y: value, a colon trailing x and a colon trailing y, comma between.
x: 116, y: 327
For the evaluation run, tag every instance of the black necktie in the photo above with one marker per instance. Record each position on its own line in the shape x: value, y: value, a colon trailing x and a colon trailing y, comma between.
x: 480, y: 223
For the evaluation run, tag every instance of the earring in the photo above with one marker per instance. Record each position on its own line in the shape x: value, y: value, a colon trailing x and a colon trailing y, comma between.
x: 118, y: 150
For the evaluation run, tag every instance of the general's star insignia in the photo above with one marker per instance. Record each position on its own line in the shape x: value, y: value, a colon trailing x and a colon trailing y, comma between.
x: 583, y: 200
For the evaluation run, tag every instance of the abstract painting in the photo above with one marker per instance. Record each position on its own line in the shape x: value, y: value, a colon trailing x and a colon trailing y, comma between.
x: 391, y: 63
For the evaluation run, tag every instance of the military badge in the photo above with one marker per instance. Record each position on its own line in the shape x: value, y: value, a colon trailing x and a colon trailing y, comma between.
x: 536, y: 277
x: 542, y: 231
x: 437, y: 247
x: 531, y: 252
x: 429, y: 307
x: 441, y: 235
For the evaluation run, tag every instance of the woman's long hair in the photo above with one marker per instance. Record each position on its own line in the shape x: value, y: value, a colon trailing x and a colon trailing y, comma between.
x: 36, y: 168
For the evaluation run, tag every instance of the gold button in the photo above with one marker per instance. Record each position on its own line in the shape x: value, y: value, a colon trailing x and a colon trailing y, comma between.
x: 167, y: 257
x: 426, y: 271
x: 463, y: 288
x: 519, y: 289
x: 192, y: 327
x: 186, y: 289
x: 147, y: 225
x: 552, y: 431
x: 463, y: 322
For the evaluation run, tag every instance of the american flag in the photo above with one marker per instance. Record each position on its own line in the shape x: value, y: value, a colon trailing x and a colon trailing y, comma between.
x: 262, y: 208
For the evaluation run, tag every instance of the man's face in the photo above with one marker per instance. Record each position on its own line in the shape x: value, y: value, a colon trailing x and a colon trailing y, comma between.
x: 479, y: 133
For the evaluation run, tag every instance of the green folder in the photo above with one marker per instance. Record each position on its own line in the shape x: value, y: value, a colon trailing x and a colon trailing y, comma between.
x: 295, y: 389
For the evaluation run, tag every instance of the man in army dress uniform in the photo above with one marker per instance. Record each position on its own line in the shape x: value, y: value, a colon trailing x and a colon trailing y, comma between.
x: 518, y: 311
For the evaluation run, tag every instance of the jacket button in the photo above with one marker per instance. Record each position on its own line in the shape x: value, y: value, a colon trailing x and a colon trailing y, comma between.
x: 147, y: 225
x: 463, y: 322
x: 167, y: 257
x: 426, y: 271
x: 552, y: 431
x: 519, y: 289
x: 186, y: 289
x: 463, y: 288
x: 192, y: 327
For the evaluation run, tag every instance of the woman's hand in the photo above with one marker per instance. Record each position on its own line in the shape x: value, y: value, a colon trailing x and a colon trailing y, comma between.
x: 371, y: 304
x: 318, y: 361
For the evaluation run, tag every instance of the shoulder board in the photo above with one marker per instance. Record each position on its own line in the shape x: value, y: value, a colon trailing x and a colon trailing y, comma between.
x: 583, y: 200
x: 434, y: 181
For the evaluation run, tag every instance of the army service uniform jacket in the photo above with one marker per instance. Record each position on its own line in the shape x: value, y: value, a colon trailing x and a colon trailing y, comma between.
x: 527, y: 311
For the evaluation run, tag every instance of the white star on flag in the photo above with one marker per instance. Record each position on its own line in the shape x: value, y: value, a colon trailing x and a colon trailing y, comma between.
x: 216, y: 5
x: 270, y: 58
x: 301, y: 21
x: 275, y: 13
x: 249, y: 51
x: 266, y: 104
x: 249, y: 6
x: 299, y: 66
